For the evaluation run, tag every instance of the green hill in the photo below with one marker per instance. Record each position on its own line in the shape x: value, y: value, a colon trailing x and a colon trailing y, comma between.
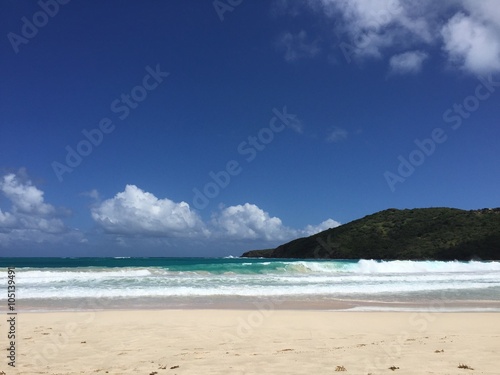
x: 425, y: 233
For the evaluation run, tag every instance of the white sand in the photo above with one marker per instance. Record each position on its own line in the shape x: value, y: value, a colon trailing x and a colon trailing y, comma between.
x: 260, y: 342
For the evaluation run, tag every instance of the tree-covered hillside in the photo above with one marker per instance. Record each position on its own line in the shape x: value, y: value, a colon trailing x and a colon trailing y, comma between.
x: 425, y: 233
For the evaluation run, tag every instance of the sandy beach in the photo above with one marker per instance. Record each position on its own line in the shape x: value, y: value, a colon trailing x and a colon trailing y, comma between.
x: 259, y: 341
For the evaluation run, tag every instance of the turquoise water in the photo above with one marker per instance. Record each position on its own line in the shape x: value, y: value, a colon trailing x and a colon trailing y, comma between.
x: 215, y: 265
x: 159, y: 282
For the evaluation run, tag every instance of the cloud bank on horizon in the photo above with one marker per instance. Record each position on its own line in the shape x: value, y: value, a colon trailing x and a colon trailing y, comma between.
x: 466, y: 32
x: 132, y: 214
x: 136, y: 212
x: 31, y: 219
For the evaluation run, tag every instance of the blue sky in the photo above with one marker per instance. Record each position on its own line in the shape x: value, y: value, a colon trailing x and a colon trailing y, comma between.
x: 206, y: 128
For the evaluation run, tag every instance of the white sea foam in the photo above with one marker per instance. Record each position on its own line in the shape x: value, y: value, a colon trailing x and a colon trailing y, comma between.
x: 395, y: 266
x: 407, y: 266
x: 394, y: 279
x: 57, y: 276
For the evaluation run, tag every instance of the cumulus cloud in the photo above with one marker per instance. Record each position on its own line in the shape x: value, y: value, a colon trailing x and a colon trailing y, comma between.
x: 25, y: 197
x: 7, y: 220
x: 249, y: 222
x: 297, y: 46
x: 134, y: 211
x: 135, y: 214
x: 313, y: 229
x: 408, y: 62
x: 468, y: 31
x: 367, y: 28
x: 472, y: 44
x: 30, y: 218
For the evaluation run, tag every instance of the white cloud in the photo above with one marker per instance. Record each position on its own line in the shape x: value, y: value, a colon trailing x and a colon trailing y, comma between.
x: 24, y: 197
x: 362, y: 14
x: 28, y: 238
x: 250, y: 222
x: 6, y: 218
x: 297, y: 46
x: 337, y: 135
x: 135, y: 214
x: 313, y: 229
x: 367, y: 28
x: 468, y: 31
x: 135, y: 211
x: 408, y: 62
x: 472, y: 44
x: 487, y: 11
x: 30, y: 219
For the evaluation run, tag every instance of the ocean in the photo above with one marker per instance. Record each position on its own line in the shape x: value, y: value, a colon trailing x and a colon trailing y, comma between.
x: 121, y: 283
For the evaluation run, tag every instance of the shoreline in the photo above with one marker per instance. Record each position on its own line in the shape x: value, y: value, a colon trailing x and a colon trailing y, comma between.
x: 238, y: 303
x: 263, y: 341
